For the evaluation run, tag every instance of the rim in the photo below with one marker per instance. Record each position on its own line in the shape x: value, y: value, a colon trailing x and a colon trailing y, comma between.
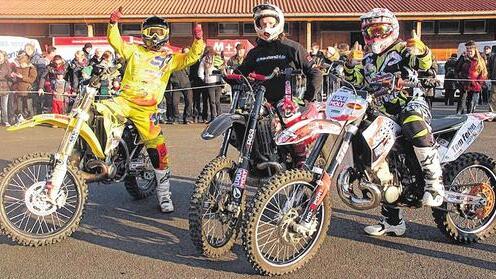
x: 218, y: 224
x: 24, y: 206
x: 474, y: 175
x: 273, y: 241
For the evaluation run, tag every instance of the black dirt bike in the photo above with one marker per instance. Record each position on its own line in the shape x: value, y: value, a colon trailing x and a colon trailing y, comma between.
x: 218, y: 201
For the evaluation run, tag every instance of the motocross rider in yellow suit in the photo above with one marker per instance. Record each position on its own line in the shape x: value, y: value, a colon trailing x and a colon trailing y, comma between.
x: 148, y: 68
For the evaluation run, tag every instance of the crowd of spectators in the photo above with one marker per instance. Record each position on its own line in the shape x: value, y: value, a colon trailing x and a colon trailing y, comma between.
x: 34, y: 84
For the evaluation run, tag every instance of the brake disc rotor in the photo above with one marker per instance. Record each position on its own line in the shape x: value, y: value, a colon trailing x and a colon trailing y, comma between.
x: 37, y: 201
x: 484, y: 190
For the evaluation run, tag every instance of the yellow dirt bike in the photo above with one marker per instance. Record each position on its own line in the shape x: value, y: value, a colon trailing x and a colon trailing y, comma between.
x: 42, y: 196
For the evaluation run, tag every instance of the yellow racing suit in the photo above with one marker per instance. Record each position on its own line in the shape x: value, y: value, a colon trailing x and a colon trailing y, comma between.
x: 142, y: 89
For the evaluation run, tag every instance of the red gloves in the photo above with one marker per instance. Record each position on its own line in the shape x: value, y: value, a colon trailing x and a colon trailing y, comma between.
x: 116, y: 15
x: 198, y: 32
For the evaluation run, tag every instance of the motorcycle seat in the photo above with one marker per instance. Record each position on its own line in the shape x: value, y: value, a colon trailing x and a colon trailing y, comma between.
x: 447, y: 122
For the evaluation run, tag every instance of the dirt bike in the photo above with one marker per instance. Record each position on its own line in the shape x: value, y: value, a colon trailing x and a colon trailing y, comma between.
x: 287, y: 219
x: 43, y: 196
x: 218, y: 201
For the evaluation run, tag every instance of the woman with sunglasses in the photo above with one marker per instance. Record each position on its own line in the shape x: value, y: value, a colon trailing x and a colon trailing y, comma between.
x: 148, y: 68
x: 388, y: 54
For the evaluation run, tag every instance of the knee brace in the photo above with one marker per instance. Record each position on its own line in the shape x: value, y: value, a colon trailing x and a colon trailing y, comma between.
x: 159, y: 156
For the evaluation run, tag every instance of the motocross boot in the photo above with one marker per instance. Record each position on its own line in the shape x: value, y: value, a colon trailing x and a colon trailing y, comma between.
x: 391, y: 223
x: 430, y: 163
x: 163, y: 190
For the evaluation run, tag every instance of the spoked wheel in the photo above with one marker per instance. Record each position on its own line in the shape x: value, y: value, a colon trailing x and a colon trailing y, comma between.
x: 213, y: 228
x: 26, y: 214
x: 144, y: 184
x: 471, y: 174
x: 271, y: 244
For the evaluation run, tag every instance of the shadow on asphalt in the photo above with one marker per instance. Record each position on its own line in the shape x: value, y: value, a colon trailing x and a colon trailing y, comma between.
x: 4, y: 163
x: 118, y: 222
x: 349, y: 229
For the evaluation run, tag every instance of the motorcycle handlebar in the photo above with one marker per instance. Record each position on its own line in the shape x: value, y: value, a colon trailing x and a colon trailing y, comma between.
x: 260, y: 77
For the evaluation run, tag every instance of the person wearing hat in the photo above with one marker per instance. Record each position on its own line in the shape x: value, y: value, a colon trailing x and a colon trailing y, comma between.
x: 238, y: 58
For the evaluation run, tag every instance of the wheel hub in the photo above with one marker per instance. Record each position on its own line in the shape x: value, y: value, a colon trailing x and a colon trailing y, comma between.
x: 484, y: 190
x: 37, y: 201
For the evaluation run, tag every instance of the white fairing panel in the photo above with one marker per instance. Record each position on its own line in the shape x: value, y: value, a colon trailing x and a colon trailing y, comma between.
x: 464, y: 137
x: 381, y: 136
x: 345, y: 105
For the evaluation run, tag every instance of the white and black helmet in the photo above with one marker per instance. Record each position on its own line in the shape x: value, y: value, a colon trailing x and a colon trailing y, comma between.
x: 266, y: 10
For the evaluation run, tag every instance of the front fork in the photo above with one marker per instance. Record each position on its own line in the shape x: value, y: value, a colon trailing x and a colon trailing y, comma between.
x: 324, y: 181
x: 239, y: 184
x: 56, y: 177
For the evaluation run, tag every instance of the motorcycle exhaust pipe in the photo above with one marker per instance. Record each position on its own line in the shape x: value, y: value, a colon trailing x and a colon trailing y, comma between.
x: 349, y: 198
x: 103, y: 171
x: 277, y: 167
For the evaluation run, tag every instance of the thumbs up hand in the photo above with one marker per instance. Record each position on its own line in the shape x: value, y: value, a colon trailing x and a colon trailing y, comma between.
x: 355, y: 56
x: 415, y: 45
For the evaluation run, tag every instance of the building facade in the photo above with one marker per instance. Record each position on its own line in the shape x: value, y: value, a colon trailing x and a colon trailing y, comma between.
x: 442, y: 24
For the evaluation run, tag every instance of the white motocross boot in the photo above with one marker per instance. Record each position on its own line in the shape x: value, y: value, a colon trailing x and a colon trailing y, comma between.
x: 390, y: 215
x: 428, y: 158
x: 163, y: 190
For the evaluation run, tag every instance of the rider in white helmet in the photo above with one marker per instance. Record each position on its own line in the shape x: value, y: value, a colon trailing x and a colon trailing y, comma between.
x: 388, y: 54
x: 273, y: 50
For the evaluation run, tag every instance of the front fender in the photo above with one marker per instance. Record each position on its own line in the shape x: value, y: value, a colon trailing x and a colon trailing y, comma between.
x: 306, y: 129
x: 221, y: 124
x: 62, y: 121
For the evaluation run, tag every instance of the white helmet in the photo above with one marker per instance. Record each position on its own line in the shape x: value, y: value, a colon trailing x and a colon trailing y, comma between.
x: 380, y: 29
x: 265, y: 10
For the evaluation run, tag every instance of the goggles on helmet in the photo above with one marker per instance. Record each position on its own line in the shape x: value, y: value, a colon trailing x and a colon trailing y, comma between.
x: 157, y: 32
x: 378, y: 30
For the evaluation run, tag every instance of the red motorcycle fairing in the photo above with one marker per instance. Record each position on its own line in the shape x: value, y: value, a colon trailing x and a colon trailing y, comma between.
x: 307, y: 129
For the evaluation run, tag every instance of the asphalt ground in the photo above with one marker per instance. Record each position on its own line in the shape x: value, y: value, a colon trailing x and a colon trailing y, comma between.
x: 123, y: 238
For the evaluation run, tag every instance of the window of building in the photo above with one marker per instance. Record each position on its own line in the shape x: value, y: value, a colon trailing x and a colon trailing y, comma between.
x: 131, y: 29
x: 474, y: 26
x: 249, y: 29
x: 449, y: 27
x: 428, y: 27
x: 59, y: 29
x: 181, y: 29
x: 80, y: 30
x: 230, y: 28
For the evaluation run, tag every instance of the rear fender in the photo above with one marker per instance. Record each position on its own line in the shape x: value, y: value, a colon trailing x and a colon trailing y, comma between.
x: 306, y: 129
x: 62, y: 121
x: 464, y: 137
x: 221, y: 124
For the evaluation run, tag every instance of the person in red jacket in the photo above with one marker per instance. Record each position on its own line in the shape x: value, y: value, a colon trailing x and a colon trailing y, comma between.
x: 471, y: 67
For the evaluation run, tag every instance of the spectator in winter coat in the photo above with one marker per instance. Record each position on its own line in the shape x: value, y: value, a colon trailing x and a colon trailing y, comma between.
x: 97, y: 57
x: 491, y: 68
x: 87, y: 50
x: 5, y: 80
x: 450, y: 86
x: 60, y: 88
x: 210, y: 74
x: 180, y: 80
x: 238, y: 58
x: 76, y: 67
x: 40, y: 63
x: 24, y: 77
x: 471, y: 67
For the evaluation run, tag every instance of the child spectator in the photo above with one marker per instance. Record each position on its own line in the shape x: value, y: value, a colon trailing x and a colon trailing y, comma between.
x: 60, y: 88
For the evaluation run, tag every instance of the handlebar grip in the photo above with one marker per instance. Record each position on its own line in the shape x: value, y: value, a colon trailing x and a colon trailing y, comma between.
x: 234, y: 77
x: 256, y: 76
